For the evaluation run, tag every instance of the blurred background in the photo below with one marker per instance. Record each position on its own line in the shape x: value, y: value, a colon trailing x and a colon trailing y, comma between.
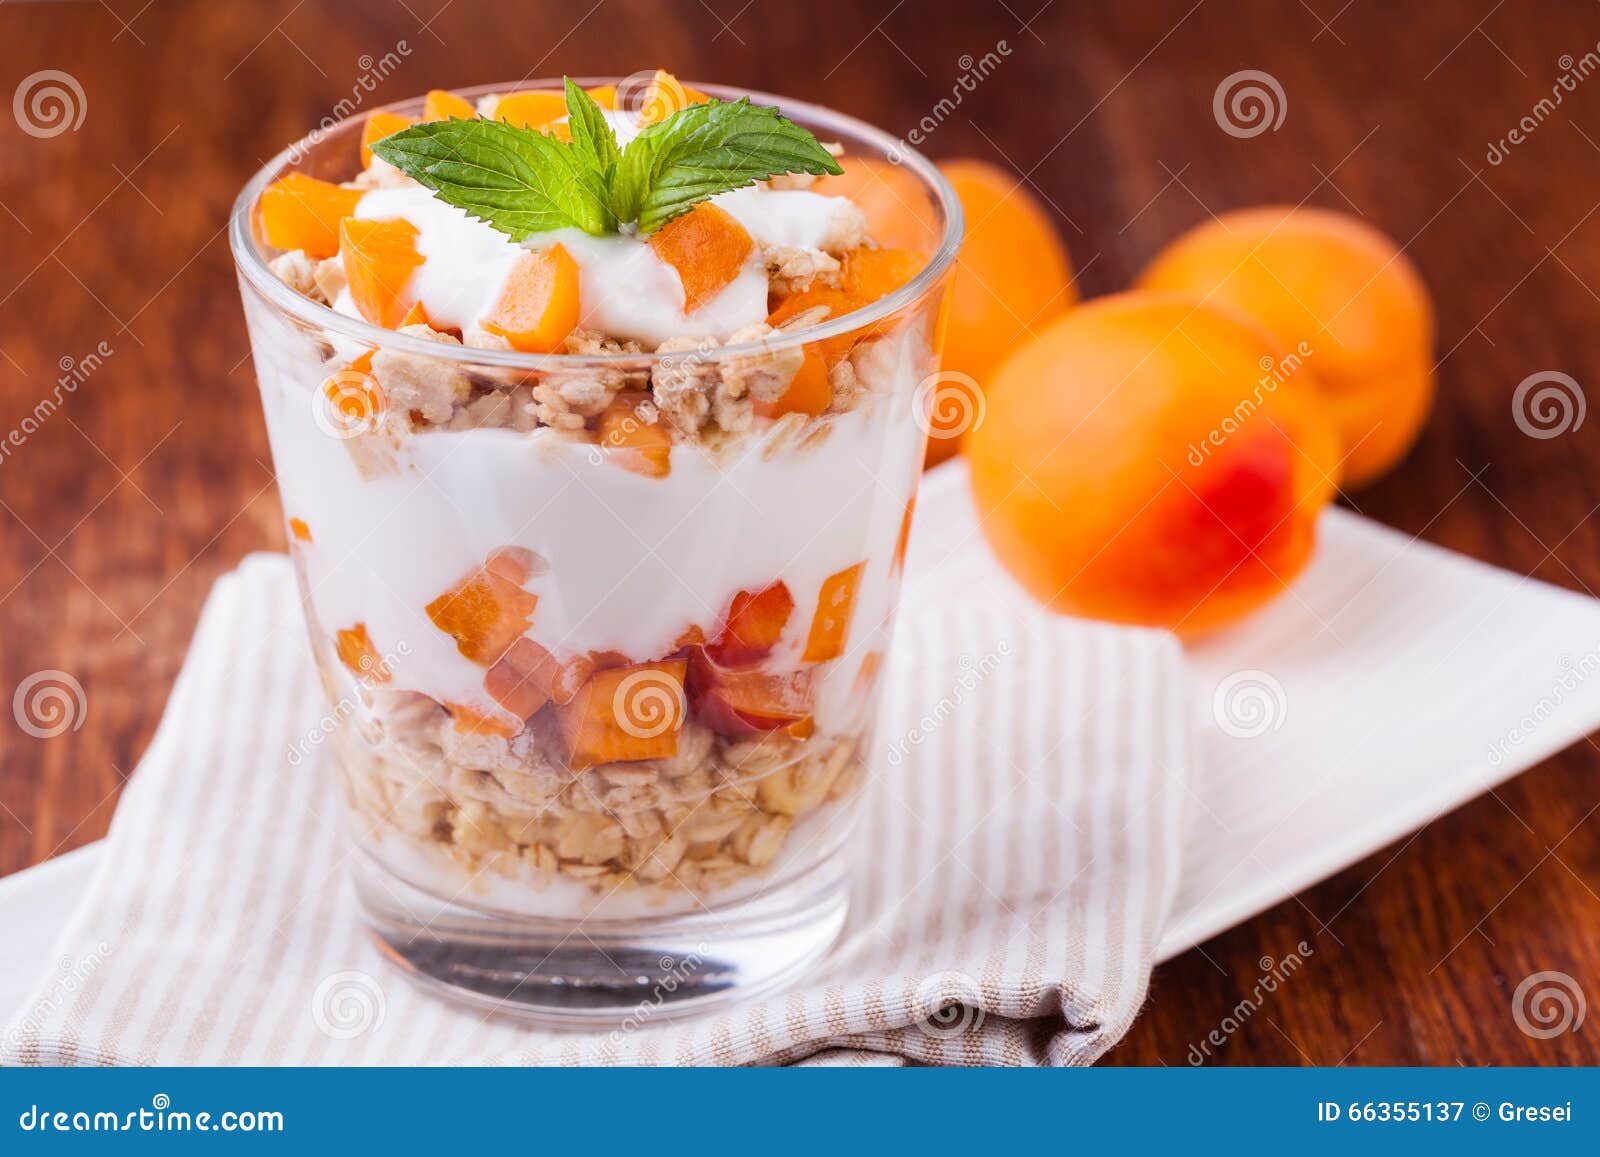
x: 134, y: 467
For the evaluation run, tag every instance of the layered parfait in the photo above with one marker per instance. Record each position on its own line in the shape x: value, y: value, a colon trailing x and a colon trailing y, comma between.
x: 598, y: 545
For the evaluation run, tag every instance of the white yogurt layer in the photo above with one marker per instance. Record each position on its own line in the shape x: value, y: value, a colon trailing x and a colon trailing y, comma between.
x: 626, y: 291
x: 633, y: 561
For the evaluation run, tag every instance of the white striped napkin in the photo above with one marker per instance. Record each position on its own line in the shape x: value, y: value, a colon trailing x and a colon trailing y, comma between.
x: 1017, y: 862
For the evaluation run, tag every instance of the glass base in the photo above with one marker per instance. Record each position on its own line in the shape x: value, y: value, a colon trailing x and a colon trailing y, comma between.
x: 606, y: 973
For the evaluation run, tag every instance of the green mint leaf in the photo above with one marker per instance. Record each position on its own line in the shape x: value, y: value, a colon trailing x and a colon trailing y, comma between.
x: 704, y: 150
x: 591, y: 132
x: 516, y: 180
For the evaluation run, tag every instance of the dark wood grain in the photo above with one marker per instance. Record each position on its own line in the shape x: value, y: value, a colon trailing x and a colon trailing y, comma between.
x: 153, y: 476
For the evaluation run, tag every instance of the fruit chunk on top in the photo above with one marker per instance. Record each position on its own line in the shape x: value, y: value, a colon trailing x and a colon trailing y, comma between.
x: 625, y: 713
x: 440, y: 105
x: 752, y: 626
x: 666, y: 95
x: 301, y: 212
x: 488, y: 611
x: 378, y: 126
x: 742, y: 704
x: 707, y: 247
x: 539, y: 303
x: 379, y: 258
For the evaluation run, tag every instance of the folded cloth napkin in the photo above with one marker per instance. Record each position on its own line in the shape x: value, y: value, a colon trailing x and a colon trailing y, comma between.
x: 1016, y: 861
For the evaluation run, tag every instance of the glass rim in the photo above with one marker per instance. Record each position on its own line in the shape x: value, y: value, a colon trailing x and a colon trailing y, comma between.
x: 253, y: 267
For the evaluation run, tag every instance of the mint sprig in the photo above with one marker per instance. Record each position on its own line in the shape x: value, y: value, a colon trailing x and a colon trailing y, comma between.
x: 522, y: 181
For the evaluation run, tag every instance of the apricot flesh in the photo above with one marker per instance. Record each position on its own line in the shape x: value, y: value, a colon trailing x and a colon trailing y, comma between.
x: 1340, y: 293
x: 1138, y: 464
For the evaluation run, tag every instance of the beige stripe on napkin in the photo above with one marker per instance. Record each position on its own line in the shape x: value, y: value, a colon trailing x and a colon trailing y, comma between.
x: 1015, y: 866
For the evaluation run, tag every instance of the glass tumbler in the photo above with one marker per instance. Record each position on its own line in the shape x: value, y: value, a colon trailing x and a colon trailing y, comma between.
x: 601, y: 704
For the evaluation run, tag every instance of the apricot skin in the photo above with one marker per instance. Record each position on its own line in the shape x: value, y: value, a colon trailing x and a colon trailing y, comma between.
x: 1342, y: 288
x: 1134, y: 468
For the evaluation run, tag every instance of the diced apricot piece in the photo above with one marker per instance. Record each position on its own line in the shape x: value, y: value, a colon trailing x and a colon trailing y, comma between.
x: 486, y: 613
x: 604, y: 95
x: 378, y: 126
x: 357, y: 400
x: 301, y: 212
x: 474, y: 722
x: 835, y: 604
x: 666, y: 95
x: 379, y: 258
x: 522, y: 679
x: 298, y: 528
x: 742, y: 704
x: 905, y: 533
x: 707, y: 246
x: 356, y: 652
x: 636, y: 445
x: 538, y: 304
x: 440, y: 105
x: 752, y: 626
x: 811, y: 391
x: 873, y: 273
x: 868, y: 674
x: 626, y: 713
x: 534, y: 110
x: 416, y: 315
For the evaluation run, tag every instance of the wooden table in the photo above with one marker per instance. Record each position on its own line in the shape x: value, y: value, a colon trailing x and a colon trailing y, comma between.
x: 152, y: 476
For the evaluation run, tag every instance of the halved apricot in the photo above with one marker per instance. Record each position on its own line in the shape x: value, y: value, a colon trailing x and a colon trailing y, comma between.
x: 538, y: 305
x: 752, y: 625
x: 379, y: 258
x: 707, y: 246
x: 486, y: 612
x: 378, y: 126
x: 301, y: 212
x: 625, y: 713
x: 534, y: 110
x: 835, y: 604
x: 440, y: 105
x: 640, y: 446
x: 666, y: 95
x: 357, y: 652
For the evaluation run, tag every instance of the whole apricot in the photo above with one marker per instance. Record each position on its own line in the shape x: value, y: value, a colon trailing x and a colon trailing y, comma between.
x: 1012, y: 278
x: 1151, y: 460
x: 1344, y: 290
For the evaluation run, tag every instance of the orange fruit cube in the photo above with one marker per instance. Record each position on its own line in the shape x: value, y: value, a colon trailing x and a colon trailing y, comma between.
x: 378, y: 126
x: 537, y: 109
x: 752, y: 626
x: 869, y: 274
x: 440, y: 105
x: 835, y: 604
x: 474, y: 722
x: 299, y: 529
x: 707, y: 247
x: 744, y: 704
x: 640, y: 446
x: 301, y: 212
x: 538, y: 305
x: 379, y: 258
x: 486, y: 612
x: 626, y: 713
x: 522, y: 679
x: 665, y: 95
x: 356, y: 651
